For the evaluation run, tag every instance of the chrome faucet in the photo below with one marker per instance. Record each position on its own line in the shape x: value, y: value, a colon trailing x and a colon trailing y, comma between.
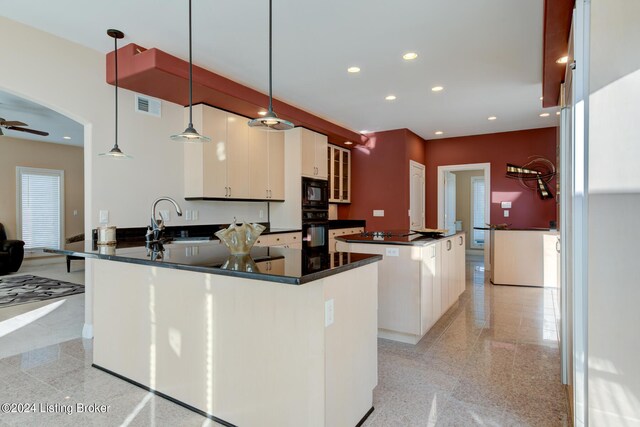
x: 155, y: 230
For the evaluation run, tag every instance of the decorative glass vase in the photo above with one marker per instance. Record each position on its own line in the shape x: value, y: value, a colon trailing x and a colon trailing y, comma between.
x: 240, y: 238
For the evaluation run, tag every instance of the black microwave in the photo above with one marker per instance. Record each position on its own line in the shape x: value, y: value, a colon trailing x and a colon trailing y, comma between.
x: 315, y: 194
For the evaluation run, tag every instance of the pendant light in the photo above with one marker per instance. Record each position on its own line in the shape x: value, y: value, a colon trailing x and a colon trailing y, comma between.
x: 190, y: 135
x: 115, y: 152
x: 270, y: 121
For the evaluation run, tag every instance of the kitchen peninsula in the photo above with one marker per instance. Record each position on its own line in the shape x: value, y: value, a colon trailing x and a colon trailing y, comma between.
x: 234, y: 339
x: 420, y: 278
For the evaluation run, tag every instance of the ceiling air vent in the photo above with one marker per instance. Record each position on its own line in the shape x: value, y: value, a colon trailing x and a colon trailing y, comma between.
x: 148, y: 105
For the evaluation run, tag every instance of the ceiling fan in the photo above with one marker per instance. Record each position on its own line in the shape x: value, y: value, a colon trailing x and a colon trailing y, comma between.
x: 19, y: 126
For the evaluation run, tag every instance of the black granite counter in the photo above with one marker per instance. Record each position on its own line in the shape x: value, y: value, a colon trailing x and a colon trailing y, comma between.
x: 296, y: 266
x: 398, y: 237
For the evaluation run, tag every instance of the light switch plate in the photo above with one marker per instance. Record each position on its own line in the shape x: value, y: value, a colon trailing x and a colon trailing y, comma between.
x: 392, y: 252
x: 378, y: 212
x: 104, y: 217
x: 505, y: 205
x: 506, y: 213
x: 194, y: 214
x: 328, y: 313
x: 165, y: 215
x: 187, y: 215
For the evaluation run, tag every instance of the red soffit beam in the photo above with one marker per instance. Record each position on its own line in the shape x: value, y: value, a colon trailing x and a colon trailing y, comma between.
x: 557, y: 25
x: 156, y: 73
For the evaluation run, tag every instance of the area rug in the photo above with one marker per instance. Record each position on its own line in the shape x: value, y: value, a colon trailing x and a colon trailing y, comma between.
x: 24, y: 289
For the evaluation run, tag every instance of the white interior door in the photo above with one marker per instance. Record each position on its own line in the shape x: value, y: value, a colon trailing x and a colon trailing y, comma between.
x: 416, y: 198
x: 450, y: 201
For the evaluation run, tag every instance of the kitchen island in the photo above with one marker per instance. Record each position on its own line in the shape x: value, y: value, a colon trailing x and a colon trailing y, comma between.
x: 420, y: 278
x: 236, y: 339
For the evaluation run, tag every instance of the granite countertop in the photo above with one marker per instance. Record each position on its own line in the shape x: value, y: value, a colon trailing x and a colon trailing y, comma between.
x: 335, y: 224
x: 399, y: 237
x: 213, y: 257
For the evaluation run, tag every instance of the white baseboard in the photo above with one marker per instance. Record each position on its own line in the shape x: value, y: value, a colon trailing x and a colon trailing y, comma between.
x: 87, y: 331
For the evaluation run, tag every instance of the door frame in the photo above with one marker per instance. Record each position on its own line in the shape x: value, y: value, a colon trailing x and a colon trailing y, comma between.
x: 472, y: 216
x: 486, y: 168
x: 424, y: 183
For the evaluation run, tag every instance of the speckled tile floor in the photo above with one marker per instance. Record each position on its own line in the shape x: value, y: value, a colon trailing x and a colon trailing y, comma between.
x: 492, y: 360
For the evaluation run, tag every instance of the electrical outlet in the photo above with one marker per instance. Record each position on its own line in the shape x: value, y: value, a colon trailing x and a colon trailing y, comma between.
x: 165, y: 215
x: 506, y: 213
x: 104, y: 217
x: 187, y: 215
x: 261, y: 214
x: 392, y: 252
x: 75, y: 212
x: 378, y: 212
x: 328, y: 313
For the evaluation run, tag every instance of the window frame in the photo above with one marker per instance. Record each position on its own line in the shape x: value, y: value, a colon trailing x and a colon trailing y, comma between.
x: 472, y: 244
x: 24, y: 170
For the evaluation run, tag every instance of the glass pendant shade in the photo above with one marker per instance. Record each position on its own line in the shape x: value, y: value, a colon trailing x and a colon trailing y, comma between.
x: 190, y: 135
x: 116, y: 153
x: 271, y: 121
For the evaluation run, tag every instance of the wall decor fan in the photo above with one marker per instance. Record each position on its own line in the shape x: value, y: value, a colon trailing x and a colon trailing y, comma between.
x: 534, y: 175
x: 19, y: 126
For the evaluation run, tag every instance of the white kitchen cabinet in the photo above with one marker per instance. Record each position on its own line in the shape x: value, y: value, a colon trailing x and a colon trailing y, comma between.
x: 452, y: 270
x: 341, y: 232
x: 219, y: 169
x: 339, y: 168
x: 314, y: 152
x: 266, y: 158
x: 288, y: 240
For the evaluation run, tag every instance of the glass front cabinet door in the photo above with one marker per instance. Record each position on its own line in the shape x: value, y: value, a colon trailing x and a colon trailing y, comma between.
x: 339, y: 163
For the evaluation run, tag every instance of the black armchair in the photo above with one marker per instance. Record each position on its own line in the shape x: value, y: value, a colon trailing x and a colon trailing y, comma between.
x: 11, y: 253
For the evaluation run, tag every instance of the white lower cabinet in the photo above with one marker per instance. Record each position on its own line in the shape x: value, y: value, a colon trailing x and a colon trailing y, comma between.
x: 341, y: 232
x: 416, y: 284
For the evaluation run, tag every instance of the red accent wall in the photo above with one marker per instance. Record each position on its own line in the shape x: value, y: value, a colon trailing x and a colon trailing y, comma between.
x: 380, y: 179
x: 527, y: 210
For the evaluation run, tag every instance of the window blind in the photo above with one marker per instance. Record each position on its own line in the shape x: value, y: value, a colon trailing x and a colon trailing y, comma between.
x: 478, y: 210
x: 40, y: 206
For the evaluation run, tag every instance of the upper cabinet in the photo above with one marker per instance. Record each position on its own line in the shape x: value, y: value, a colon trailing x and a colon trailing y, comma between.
x: 314, y: 152
x: 339, y: 167
x: 238, y: 163
x: 266, y: 159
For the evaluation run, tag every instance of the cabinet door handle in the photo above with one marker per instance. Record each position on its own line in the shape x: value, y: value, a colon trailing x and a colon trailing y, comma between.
x: 229, y: 191
x: 558, y: 246
x: 460, y: 237
x: 270, y: 194
x: 448, y: 245
x: 226, y: 191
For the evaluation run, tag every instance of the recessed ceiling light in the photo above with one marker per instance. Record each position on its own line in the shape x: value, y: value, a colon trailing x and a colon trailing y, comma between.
x: 262, y: 113
x: 544, y: 114
x: 410, y: 56
x: 365, y: 131
x: 439, y: 132
x: 353, y: 69
x: 562, y: 60
x: 491, y: 118
x: 66, y: 137
x: 436, y: 88
x: 557, y: 113
x: 348, y: 143
x: 390, y: 97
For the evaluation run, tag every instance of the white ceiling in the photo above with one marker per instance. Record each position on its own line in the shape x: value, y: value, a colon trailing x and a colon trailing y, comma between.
x: 486, y: 53
x: 39, y: 118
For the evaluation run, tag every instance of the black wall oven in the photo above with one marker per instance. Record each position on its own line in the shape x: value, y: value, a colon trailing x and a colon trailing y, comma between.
x: 315, y: 215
